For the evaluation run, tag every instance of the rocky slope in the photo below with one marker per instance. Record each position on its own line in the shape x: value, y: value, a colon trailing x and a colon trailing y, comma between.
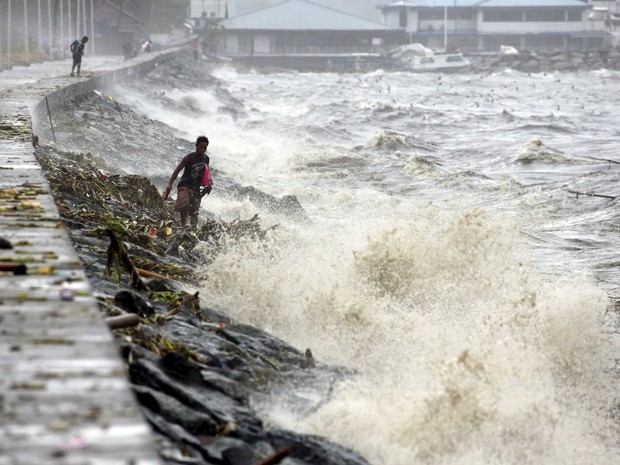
x: 547, y: 61
x: 196, y: 373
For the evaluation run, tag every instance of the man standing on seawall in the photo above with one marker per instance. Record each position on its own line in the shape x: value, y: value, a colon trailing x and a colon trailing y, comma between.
x: 77, y: 50
x: 196, y: 174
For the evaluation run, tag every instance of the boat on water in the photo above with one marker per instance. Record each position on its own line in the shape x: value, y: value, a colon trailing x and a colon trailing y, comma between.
x: 417, y: 58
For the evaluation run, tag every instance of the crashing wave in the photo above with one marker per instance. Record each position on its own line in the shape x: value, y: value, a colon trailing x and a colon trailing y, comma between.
x: 537, y: 151
x: 394, y: 140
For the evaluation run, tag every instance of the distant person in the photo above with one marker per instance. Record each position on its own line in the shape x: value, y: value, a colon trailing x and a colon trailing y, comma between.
x: 195, y: 52
x: 147, y: 47
x: 77, y: 50
x: 127, y: 50
x: 196, y: 174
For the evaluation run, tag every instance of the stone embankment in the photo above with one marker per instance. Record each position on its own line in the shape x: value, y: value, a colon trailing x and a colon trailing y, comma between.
x: 64, y: 394
x: 203, y: 381
x: 548, y: 61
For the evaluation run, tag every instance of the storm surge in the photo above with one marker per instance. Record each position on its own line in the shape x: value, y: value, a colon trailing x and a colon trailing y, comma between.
x: 465, y: 292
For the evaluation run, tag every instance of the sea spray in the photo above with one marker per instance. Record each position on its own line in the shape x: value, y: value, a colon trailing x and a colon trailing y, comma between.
x: 460, y: 348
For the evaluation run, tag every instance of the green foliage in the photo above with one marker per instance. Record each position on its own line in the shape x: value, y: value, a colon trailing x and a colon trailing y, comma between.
x: 170, y: 297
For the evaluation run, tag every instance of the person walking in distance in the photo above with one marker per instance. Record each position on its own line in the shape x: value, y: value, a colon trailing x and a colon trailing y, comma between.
x: 196, y: 174
x: 77, y: 50
x: 127, y: 50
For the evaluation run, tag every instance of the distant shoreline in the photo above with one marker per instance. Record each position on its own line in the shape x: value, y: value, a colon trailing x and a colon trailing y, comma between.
x: 524, y: 61
x: 548, y: 61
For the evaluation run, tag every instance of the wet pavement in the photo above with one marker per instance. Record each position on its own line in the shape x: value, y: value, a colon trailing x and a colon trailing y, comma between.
x: 64, y: 394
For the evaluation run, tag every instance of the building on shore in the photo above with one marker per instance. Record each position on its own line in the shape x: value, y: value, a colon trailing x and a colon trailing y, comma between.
x: 485, y: 25
x: 301, y: 32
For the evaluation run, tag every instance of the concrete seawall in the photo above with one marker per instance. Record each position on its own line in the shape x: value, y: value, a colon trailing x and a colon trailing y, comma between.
x: 116, y: 73
x: 64, y: 394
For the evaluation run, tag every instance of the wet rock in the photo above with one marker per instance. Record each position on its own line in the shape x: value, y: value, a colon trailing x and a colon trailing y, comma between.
x: 173, y: 411
x: 133, y: 303
x: 5, y: 243
x: 174, y: 364
x: 232, y: 451
x: 547, y: 61
x: 201, y: 399
x: 173, y: 249
x: 309, y: 362
x: 241, y: 454
x: 159, y: 285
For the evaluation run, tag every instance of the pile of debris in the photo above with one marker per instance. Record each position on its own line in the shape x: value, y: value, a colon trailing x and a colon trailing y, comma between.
x: 92, y: 202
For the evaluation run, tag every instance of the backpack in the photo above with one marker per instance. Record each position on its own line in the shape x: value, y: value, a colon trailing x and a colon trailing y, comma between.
x: 74, y: 46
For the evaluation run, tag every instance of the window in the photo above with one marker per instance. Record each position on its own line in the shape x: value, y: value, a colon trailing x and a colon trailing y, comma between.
x: 430, y: 14
x: 502, y: 16
x: 246, y: 43
x: 460, y: 14
x: 402, y: 19
x: 542, y: 15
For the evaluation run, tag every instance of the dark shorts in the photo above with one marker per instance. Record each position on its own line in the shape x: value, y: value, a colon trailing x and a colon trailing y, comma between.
x: 77, y: 59
x: 188, y: 200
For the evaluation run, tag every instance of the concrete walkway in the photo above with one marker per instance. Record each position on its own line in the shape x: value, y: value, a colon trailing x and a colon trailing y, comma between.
x: 64, y: 394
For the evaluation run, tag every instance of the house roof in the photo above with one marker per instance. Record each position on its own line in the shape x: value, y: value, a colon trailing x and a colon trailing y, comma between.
x: 431, y: 3
x: 487, y: 3
x: 533, y: 3
x: 302, y: 15
x: 362, y: 8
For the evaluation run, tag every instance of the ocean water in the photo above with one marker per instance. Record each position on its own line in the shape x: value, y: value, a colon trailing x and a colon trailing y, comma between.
x: 446, y: 260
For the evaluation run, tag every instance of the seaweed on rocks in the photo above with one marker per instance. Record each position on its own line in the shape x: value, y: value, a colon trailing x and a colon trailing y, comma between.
x: 196, y: 373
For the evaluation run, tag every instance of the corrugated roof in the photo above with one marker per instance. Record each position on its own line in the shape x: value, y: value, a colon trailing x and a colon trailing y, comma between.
x: 361, y: 8
x: 486, y: 3
x: 533, y: 3
x: 302, y: 15
x: 432, y: 3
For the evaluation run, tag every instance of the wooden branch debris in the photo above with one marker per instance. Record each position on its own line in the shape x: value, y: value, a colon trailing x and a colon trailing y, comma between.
x: 122, y: 321
x: 117, y: 252
x: 589, y: 194
x: 606, y: 160
x: 150, y: 274
x: 277, y: 457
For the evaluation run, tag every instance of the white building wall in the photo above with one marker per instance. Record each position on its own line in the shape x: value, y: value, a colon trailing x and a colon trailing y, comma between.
x: 232, y: 43
x: 451, y: 25
x: 611, y: 5
x: 392, y: 18
x: 529, y: 28
x: 535, y: 27
x: 262, y: 43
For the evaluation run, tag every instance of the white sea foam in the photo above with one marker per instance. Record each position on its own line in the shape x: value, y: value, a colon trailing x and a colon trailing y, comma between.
x: 461, y: 349
x: 470, y: 345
